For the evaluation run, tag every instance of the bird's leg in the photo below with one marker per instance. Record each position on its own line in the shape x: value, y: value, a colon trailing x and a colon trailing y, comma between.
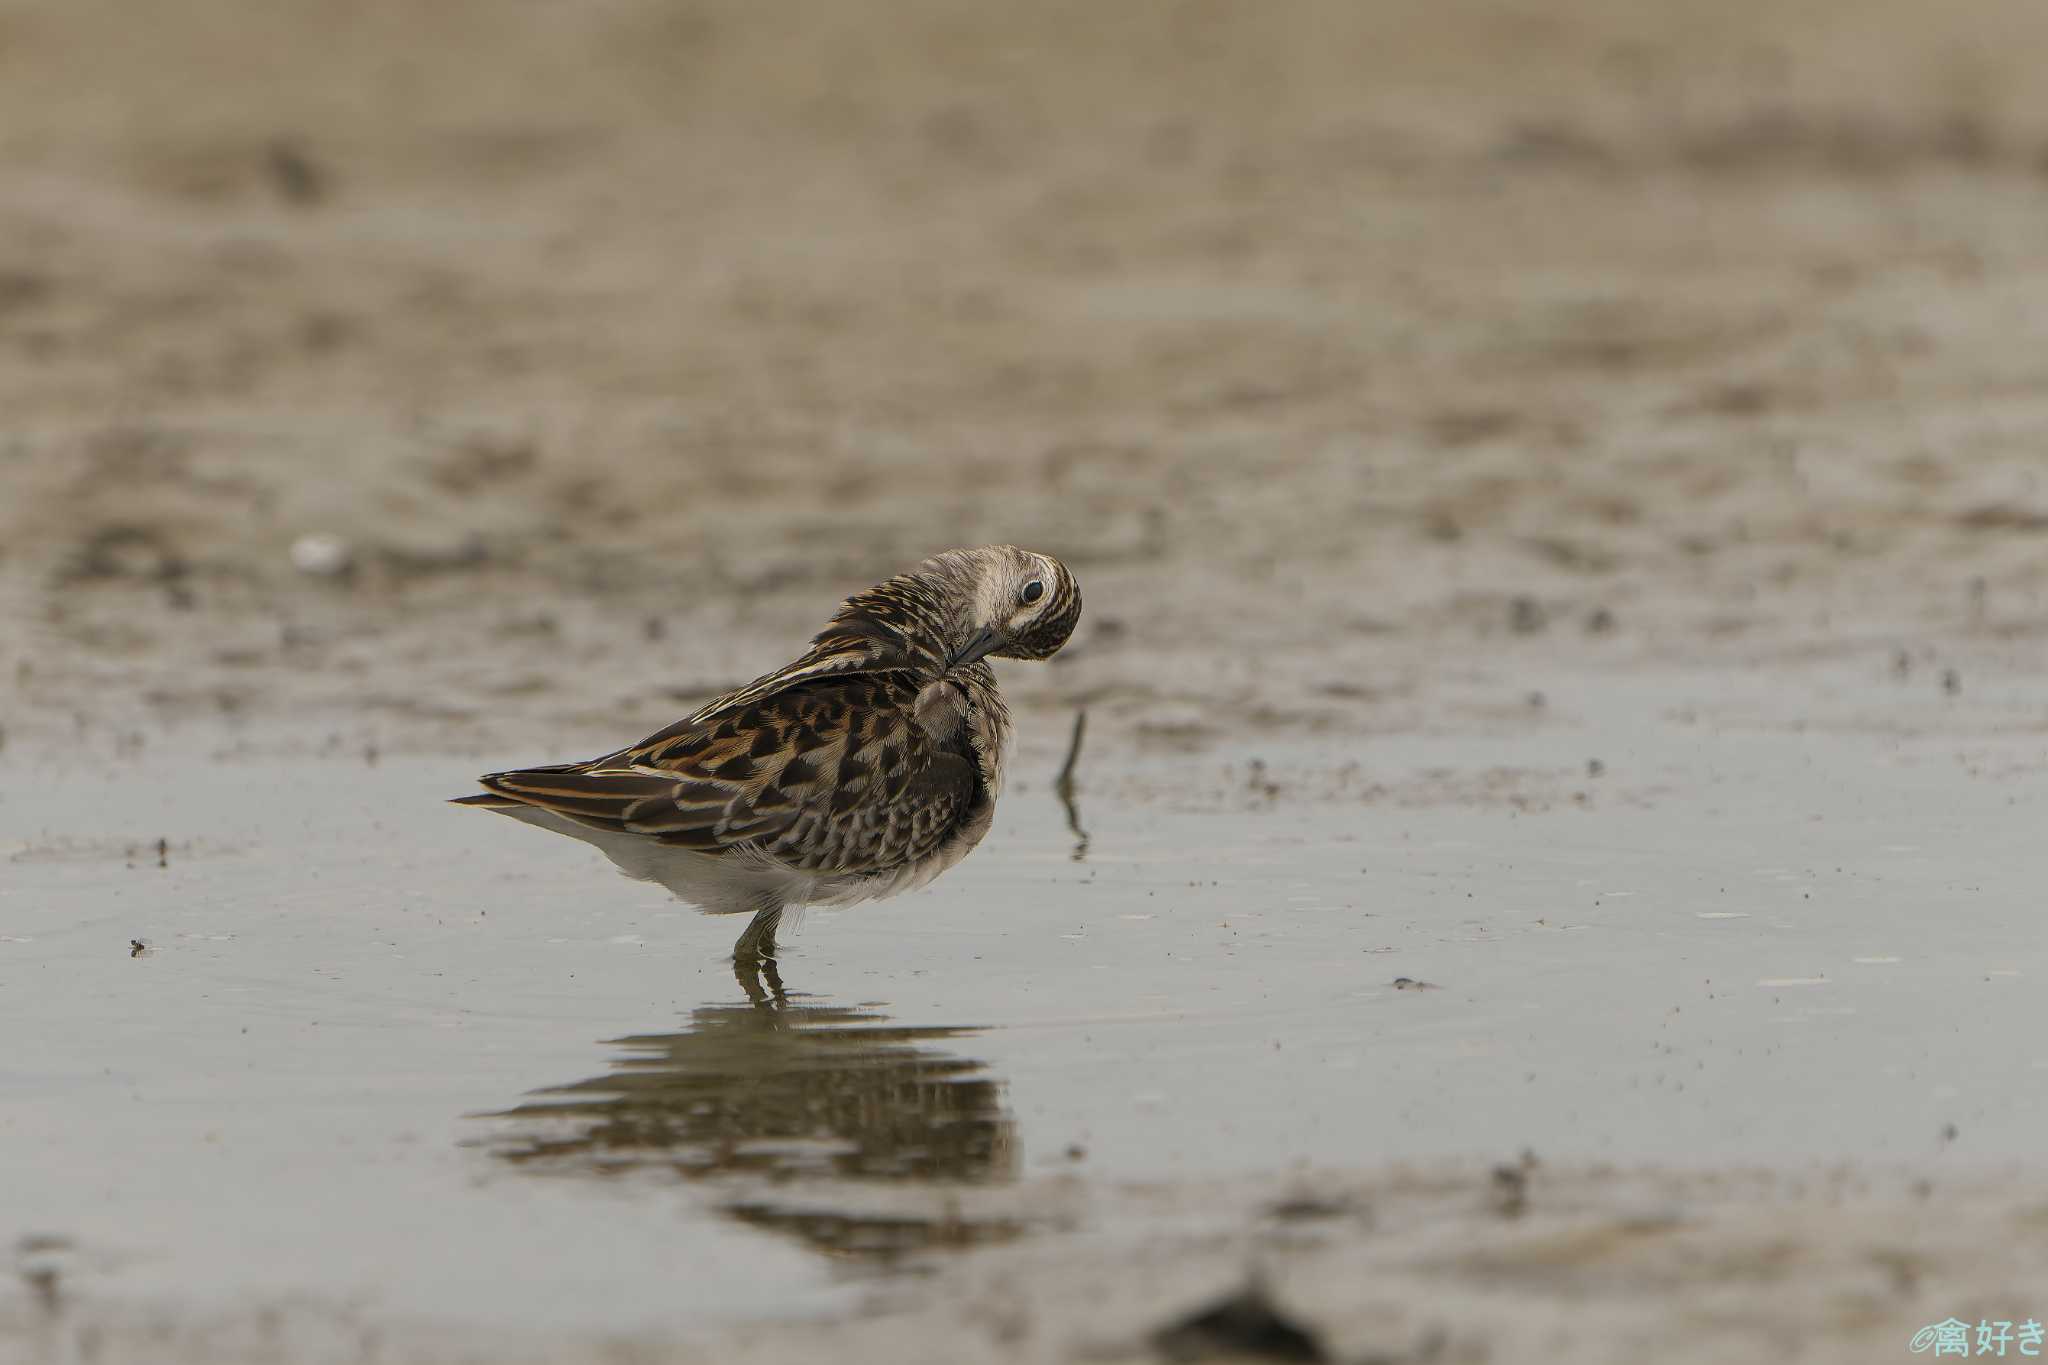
x: 754, y: 955
x: 758, y: 941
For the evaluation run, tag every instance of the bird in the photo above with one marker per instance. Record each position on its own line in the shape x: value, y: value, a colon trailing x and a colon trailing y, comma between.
x: 864, y: 768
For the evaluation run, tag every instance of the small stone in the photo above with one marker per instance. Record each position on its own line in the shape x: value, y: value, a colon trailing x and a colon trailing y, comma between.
x: 1246, y: 1325
x: 321, y: 555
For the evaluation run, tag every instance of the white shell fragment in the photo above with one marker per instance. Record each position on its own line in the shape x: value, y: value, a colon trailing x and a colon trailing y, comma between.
x: 322, y: 555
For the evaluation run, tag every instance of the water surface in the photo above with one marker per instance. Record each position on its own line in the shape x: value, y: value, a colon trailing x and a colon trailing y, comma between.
x: 379, y: 1049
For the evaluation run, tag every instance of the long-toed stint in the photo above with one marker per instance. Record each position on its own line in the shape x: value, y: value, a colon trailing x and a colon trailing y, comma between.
x: 867, y: 767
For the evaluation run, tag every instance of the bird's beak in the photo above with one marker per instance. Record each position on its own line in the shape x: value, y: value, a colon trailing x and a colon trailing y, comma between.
x: 989, y: 639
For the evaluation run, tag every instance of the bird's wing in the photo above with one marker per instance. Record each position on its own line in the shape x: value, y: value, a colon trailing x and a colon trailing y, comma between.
x: 845, y: 649
x: 822, y: 775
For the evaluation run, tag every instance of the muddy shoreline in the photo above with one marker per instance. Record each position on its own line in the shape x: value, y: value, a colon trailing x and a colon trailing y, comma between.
x: 1560, y: 506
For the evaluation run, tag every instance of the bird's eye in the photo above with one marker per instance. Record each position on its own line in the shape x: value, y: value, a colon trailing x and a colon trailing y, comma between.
x: 1033, y: 591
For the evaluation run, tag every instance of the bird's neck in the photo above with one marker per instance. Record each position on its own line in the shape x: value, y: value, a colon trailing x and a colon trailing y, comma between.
x: 921, y: 614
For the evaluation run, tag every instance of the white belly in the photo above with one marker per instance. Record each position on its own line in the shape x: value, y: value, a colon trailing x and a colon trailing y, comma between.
x: 729, y: 883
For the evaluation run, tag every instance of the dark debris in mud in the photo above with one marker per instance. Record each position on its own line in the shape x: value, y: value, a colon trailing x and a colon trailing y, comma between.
x: 296, y: 177
x: 1510, y: 1185
x: 1510, y: 1191
x: 133, y: 554
x: 40, y: 1260
x: 874, y: 1239
x: 1312, y: 1208
x: 1245, y: 1325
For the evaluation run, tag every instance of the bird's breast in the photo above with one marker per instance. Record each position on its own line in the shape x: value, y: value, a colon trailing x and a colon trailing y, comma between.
x: 941, y: 709
x: 964, y: 712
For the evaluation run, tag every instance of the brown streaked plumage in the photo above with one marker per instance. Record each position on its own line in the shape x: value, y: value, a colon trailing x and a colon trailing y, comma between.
x: 866, y: 767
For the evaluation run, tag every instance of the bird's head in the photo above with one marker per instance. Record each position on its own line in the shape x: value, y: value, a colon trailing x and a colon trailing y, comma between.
x: 1020, y: 605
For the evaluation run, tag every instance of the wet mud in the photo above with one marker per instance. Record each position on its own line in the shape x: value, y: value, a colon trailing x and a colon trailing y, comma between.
x: 1549, y: 867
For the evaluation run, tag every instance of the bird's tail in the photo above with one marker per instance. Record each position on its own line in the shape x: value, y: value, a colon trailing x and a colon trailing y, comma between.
x: 497, y: 798
x: 488, y: 800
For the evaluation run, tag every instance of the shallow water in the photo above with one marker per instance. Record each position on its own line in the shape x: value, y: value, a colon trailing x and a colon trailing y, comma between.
x: 389, y: 1051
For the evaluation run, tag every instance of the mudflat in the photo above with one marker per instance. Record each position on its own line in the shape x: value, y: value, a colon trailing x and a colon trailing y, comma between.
x: 1551, y: 873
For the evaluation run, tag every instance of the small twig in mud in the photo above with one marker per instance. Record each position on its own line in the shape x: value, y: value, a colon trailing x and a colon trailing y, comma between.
x: 1063, y: 785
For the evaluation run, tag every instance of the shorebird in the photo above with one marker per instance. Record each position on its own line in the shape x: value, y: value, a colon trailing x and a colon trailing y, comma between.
x: 865, y: 768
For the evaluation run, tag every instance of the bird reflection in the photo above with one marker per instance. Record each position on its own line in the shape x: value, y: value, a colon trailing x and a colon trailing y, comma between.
x: 785, y: 1086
